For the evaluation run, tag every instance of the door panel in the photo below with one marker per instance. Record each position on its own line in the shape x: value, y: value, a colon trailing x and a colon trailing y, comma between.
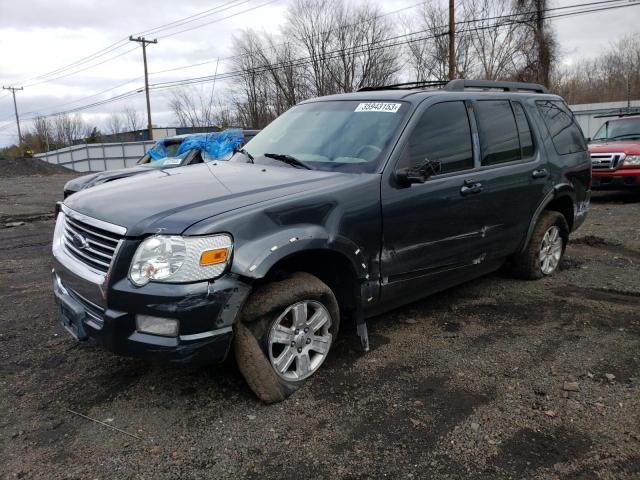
x: 438, y: 227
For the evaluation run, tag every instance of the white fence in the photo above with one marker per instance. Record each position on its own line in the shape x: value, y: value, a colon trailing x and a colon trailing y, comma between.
x: 96, y: 157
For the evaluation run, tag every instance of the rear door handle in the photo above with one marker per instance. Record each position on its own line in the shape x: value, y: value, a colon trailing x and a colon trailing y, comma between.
x: 470, y: 188
x: 540, y: 173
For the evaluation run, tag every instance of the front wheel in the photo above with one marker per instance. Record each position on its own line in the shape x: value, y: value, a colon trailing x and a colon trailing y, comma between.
x: 545, y: 249
x: 285, y: 333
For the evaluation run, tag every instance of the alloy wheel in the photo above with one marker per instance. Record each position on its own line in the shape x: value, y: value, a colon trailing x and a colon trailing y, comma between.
x: 299, y: 340
x: 550, y: 250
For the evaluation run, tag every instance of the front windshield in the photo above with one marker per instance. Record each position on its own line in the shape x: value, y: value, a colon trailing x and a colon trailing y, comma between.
x: 344, y: 136
x: 619, y: 130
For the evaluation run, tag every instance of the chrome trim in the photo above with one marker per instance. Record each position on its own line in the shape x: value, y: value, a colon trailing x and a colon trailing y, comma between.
x: 211, y: 333
x: 88, y: 249
x: 75, y: 227
x: 607, y: 160
x: 70, y: 262
x: 84, y: 255
x: 109, y: 227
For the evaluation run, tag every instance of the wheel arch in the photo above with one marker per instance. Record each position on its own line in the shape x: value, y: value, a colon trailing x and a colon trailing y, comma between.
x: 331, y: 266
x: 561, y: 200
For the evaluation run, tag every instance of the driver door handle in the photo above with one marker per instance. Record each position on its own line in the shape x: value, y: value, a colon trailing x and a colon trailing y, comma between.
x: 470, y: 187
x: 540, y: 173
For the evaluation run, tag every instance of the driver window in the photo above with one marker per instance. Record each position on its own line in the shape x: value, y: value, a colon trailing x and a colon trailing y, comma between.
x: 443, y: 136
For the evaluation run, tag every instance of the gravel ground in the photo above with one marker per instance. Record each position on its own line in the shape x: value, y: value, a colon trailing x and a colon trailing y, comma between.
x: 498, y: 378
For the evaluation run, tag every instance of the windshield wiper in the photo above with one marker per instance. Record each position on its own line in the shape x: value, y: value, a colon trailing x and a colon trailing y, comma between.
x: 631, y: 136
x: 247, y: 154
x: 288, y: 159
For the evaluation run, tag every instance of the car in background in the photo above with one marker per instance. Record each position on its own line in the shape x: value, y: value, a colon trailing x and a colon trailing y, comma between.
x: 171, y: 152
x: 615, y: 154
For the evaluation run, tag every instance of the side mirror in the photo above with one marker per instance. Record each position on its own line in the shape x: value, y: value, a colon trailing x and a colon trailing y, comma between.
x: 588, y: 139
x: 420, y: 174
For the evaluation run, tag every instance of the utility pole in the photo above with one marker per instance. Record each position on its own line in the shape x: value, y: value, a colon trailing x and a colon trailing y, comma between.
x: 144, y: 43
x: 452, y: 40
x: 15, y: 108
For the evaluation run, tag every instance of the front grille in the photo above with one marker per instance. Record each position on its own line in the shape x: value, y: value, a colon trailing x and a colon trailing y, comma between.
x: 93, y: 246
x: 610, y: 161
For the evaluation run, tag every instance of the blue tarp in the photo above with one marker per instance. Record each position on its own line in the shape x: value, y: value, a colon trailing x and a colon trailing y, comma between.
x: 215, y: 144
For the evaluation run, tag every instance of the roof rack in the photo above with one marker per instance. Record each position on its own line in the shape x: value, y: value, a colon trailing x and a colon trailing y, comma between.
x: 407, y: 86
x: 634, y: 113
x: 460, y: 85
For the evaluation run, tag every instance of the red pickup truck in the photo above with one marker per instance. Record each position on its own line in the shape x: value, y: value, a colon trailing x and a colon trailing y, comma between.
x: 615, y: 154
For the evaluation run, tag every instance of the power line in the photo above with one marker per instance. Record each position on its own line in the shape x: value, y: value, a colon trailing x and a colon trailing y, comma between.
x: 81, y: 70
x: 305, y: 60
x: 38, y: 112
x: 119, y: 44
x: 393, y: 12
x: 218, y: 20
x: 332, y: 54
x: 461, y: 22
x: 190, y: 19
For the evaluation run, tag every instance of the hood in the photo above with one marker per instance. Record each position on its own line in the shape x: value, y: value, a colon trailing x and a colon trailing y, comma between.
x: 630, y: 147
x: 172, y: 200
x: 93, y: 179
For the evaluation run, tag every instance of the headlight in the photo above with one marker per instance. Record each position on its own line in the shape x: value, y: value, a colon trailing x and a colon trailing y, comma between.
x: 632, y: 160
x: 173, y: 258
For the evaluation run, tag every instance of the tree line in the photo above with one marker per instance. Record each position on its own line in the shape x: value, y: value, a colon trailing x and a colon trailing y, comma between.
x: 336, y: 46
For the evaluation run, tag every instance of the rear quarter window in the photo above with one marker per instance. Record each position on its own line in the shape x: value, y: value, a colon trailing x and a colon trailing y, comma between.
x: 565, y: 132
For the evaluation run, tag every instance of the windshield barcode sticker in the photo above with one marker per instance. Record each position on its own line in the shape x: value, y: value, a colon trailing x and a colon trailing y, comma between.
x: 378, y: 107
x: 172, y: 161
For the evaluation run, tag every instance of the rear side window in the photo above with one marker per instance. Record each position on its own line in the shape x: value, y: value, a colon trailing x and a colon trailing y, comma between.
x: 499, y: 140
x: 524, y: 129
x: 442, y: 135
x: 565, y: 133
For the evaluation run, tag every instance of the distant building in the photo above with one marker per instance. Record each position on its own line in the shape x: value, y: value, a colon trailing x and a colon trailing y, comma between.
x: 158, y: 133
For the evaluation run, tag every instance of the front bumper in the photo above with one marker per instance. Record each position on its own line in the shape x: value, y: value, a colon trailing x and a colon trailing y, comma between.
x: 206, y: 312
x: 621, y: 179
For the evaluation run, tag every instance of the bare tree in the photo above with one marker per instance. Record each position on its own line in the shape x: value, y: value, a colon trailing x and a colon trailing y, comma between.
x: 358, y: 40
x: 133, y: 119
x: 428, y: 58
x: 613, y: 75
x: 252, y: 94
x: 309, y: 25
x: 41, y: 136
x: 539, y: 60
x: 496, y: 44
x: 194, y: 107
x: 116, y: 123
x: 68, y: 128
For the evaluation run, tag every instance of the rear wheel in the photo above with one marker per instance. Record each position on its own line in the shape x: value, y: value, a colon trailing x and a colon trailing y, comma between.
x: 545, y: 249
x: 285, y: 334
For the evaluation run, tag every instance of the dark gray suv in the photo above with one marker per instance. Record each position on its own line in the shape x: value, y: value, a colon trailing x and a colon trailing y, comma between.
x: 342, y: 208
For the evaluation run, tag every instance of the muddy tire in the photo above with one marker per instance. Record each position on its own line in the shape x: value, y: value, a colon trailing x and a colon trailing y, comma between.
x: 545, y: 249
x: 284, y: 334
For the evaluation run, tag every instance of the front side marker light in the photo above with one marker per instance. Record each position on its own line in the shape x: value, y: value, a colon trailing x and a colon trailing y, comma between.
x: 213, y: 257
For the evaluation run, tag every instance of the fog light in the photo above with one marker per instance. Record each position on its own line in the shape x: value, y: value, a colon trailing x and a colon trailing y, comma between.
x: 167, y: 327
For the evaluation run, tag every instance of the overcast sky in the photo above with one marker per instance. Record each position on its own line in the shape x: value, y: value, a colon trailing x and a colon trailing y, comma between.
x: 40, y: 36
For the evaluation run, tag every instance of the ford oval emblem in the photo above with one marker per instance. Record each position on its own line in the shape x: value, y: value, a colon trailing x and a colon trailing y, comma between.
x: 79, y: 241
